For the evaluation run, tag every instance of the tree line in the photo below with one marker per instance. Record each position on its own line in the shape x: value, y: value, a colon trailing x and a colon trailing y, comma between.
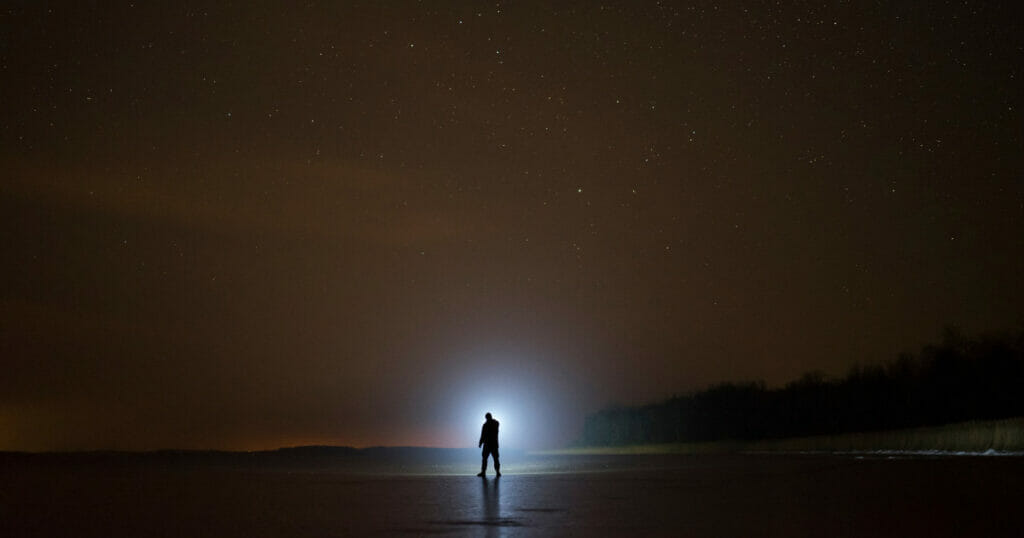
x: 959, y: 379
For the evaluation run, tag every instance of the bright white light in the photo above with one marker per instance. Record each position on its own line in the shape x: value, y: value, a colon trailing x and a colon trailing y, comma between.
x: 510, y: 418
x: 520, y: 405
x: 525, y: 390
x: 508, y: 436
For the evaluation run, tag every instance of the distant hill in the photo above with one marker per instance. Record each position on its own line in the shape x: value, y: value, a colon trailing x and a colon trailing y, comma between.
x: 960, y: 379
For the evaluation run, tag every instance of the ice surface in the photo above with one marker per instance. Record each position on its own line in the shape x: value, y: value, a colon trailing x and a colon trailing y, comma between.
x: 738, y: 495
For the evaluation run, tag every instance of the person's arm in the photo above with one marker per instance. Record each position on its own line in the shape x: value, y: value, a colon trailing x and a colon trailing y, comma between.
x: 480, y: 443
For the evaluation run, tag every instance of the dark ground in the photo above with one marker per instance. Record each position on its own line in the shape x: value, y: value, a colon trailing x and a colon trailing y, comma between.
x: 738, y: 495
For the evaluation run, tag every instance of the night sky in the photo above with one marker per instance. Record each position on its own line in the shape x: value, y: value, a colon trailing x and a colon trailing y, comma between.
x: 260, y: 225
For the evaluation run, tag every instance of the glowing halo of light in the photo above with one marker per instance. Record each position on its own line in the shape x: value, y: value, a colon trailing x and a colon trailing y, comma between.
x: 508, y: 415
x: 517, y: 405
x: 526, y: 391
x: 507, y: 431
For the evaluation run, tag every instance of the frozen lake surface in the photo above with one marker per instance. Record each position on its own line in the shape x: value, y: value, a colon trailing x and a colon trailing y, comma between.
x: 735, y: 495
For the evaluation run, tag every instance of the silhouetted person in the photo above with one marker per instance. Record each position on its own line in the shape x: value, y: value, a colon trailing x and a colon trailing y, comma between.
x: 489, y: 440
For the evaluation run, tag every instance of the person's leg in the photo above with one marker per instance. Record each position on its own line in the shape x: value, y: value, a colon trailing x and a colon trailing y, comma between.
x: 497, y: 464
x: 483, y: 464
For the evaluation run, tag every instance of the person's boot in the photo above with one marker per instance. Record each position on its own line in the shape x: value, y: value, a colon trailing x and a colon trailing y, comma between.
x: 497, y: 470
x: 482, y: 470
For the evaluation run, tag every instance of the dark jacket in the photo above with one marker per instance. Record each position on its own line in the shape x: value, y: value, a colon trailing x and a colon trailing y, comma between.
x: 489, y: 433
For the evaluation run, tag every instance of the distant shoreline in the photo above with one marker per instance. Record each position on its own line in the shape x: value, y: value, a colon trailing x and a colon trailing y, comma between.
x: 972, y: 437
x: 1003, y: 436
x: 315, y: 455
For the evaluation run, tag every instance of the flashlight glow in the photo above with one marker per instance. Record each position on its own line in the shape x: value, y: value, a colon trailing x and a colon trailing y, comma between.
x: 518, y: 407
x: 525, y: 392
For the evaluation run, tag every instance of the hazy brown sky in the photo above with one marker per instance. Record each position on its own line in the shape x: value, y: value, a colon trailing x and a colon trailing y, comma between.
x: 263, y: 224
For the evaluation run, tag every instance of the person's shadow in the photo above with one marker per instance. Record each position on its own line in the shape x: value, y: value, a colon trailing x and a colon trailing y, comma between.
x: 492, y: 518
x: 492, y: 500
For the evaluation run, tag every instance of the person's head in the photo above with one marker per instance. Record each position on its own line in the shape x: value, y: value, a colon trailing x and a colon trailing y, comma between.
x: 487, y: 416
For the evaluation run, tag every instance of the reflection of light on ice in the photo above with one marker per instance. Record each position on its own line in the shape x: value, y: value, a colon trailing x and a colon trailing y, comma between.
x: 912, y: 453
